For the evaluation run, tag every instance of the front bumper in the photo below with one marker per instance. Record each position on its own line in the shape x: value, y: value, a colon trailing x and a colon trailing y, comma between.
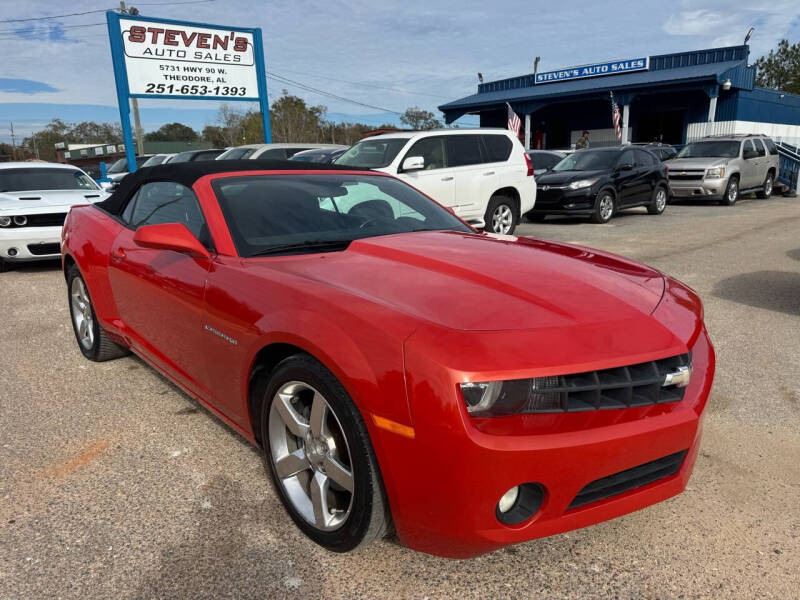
x: 444, y: 484
x: 563, y: 201
x: 708, y: 189
x: 30, y: 243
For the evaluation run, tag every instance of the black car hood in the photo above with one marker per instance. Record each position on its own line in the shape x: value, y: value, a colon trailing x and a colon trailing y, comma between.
x: 562, y: 177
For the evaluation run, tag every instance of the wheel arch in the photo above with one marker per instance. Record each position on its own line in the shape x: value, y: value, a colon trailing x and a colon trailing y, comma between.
x: 509, y: 192
x: 66, y: 264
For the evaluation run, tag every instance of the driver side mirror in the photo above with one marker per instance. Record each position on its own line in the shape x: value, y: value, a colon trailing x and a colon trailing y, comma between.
x: 624, y: 167
x: 170, y: 236
x: 413, y: 163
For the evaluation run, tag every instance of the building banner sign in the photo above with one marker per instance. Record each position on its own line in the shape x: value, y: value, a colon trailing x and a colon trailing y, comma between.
x: 615, y: 67
x: 186, y: 60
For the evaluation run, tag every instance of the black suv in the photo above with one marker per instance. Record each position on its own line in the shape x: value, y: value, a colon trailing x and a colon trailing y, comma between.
x: 600, y: 181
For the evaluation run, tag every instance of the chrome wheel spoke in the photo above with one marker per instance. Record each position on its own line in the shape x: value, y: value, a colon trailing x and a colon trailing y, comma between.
x: 338, y: 473
x: 319, y: 499
x: 292, y: 464
x: 291, y: 418
x: 319, y: 410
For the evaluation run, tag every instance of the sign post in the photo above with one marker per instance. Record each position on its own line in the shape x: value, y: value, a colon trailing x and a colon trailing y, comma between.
x: 162, y: 58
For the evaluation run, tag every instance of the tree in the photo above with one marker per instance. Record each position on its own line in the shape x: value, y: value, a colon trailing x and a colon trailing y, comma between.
x: 294, y: 121
x: 416, y: 118
x: 87, y: 132
x: 172, y: 132
x: 780, y: 69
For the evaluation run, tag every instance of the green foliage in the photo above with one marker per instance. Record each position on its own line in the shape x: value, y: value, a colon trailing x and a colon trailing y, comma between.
x: 172, y: 132
x: 780, y: 69
x: 416, y: 118
x: 87, y: 132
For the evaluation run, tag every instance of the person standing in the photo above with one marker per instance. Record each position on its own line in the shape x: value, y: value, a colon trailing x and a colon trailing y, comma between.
x: 583, y: 141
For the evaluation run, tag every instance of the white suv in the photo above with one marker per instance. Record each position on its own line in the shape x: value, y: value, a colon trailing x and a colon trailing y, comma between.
x: 483, y: 175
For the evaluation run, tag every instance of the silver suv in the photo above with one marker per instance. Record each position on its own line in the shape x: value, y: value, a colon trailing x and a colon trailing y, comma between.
x: 722, y: 168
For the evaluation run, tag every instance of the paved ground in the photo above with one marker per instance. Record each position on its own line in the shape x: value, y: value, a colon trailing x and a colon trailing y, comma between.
x: 115, y: 484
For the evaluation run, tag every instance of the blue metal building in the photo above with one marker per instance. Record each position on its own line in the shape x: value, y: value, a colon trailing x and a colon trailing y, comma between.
x: 671, y: 98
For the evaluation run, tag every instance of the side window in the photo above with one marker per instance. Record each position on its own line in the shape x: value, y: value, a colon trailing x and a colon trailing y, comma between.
x: 644, y: 158
x: 463, y: 150
x: 431, y: 149
x: 748, y: 150
x: 771, y: 147
x: 759, y: 147
x: 167, y: 202
x: 128, y: 212
x: 274, y: 153
x: 496, y: 147
x: 627, y: 158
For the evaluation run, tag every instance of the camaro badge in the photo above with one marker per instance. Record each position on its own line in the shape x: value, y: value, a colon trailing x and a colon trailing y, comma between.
x: 679, y: 377
x: 218, y: 333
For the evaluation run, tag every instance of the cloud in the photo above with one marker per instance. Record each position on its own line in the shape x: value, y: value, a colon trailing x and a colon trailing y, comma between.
x: 25, y: 86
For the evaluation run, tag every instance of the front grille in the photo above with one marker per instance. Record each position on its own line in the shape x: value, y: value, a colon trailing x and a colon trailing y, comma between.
x: 629, y: 479
x: 42, y: 249
x: 686, y: 175
x: 47, y: 220
x: 621, y: 387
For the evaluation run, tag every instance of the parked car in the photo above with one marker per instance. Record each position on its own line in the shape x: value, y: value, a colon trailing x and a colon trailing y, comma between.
x: 722, y: 168
x: 158, y: 159
x: 323, y: 156
x: 366, y: 341
x: 34, y: 200
x: 662, y: 151
x: 194, y: 155
x: 483, y: 175
x: 599, y: 182
x: 119, y: 169
x: 544, y: 160
x: 278, y: 151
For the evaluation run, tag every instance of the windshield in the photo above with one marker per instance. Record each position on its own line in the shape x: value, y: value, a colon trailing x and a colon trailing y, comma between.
x: 29, y: 179
x: 372, y: 153
x: 588, y: 160
x: 236, y: 154
x: 155, y: 160
x: 286, y: 212
x: 120, y: 166
x: 716, y: 149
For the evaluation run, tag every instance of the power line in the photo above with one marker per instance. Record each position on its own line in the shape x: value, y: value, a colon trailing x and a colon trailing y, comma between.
x: 102, y: 10
x: 364, y: 84
x: 21, y: 33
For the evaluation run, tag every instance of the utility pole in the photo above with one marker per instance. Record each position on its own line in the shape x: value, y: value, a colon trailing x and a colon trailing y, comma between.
x: 35, y: 147
x: 13, y: 143
x: 137, y: 125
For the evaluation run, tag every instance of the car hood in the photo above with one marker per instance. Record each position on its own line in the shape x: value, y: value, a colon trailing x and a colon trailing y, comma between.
x: 563, y: 177
x: 39, y: 201
x: 484, y: 282
x: 676, y: 164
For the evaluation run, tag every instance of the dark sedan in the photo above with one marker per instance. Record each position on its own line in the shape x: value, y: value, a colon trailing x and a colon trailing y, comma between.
x: 601, y: 181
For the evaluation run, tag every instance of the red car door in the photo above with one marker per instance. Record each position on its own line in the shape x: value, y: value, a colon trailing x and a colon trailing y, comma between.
x: 160, y: 293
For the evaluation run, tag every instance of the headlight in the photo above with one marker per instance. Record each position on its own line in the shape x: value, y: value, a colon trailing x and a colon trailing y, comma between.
x: 582, y: 183
x: 20, y: 220
x: 715, y: 173
x: 5, y: 221
x: 516, y: 396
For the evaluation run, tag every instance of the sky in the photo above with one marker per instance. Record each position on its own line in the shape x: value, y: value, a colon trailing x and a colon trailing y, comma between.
x: 388, y: 54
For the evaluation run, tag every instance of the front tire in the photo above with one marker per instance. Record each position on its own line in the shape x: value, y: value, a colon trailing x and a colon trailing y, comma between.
x: 603, y: 207
x: 659, y: 201
x: 501, y: 215
x: 766, y: 190
x: 320, y: 456
x: 93, y: 341
x: 731, y: 192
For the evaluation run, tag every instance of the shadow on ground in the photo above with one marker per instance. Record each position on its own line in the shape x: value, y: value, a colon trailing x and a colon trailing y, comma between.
x: 795, y: 254
x: 771, y: 290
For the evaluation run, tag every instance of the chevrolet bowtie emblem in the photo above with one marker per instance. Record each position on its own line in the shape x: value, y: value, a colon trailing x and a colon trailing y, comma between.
x: 679, y: 377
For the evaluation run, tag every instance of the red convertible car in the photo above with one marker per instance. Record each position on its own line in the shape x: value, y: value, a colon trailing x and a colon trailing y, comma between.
x: 398, y: 368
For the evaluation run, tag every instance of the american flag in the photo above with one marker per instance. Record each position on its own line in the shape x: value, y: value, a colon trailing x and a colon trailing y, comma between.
x: 615, y: 117
x: 513, y: 120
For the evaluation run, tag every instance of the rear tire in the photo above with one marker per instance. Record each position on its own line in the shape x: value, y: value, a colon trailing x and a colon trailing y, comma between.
x: 766, y: 190
x: 501, y: 215
x: 344, y: 519
x: 659, y: 201
x: 93, y: 341
x: 604, y: 207
x: 731, y: 192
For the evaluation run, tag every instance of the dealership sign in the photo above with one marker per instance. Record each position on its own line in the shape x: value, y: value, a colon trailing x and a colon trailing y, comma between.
x: 614, y: 67
x: 162, y: 58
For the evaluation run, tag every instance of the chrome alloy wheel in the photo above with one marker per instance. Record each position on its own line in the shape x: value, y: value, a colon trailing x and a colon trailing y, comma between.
x: 768, y: 187
x: 606, y: 207
x: 733, y: 191
x: 661, y: 199
x: 502, y: 219
x: 311, y: 456
x: 82, y: 313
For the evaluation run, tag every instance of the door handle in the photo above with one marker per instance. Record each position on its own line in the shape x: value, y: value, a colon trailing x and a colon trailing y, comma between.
x: 118, y: 254
x: 447, y: 179
x: 489, y: 173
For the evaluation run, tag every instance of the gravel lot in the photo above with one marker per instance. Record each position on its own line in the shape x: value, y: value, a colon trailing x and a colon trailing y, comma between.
x: 115, y: 484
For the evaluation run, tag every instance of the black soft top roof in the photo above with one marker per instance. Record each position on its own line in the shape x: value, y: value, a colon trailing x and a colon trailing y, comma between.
x: 187, y: 173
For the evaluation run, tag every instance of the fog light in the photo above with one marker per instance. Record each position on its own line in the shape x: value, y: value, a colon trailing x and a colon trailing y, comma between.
x: 508, y: 499
x: 20, y: 220
x: 12, y: 251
